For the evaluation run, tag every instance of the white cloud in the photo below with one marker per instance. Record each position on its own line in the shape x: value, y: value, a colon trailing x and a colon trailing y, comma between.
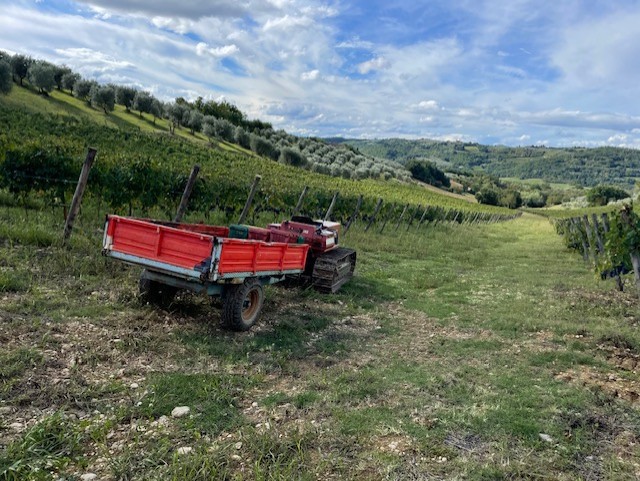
x: 428, y: 105
x: 203, y: 49
x: 378, y: 63
x: 177, y: 8
x: 287, y: 22
x: 310, y: 75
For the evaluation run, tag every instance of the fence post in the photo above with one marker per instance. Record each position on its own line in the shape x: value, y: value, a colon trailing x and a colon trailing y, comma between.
x: 298, y: 206
x: 247, y: 205
x: 375, y: 213
x: 456, y: 217
x: 426, y: 209
x: 585, y: 247
x: 412, y: 216
x: 386, y: 219
x: 77, y: 196
x: 187, y: 193
x: 331, y: 206
x: 590, y: 239
x: 354, y: 215
x: 401, y: 216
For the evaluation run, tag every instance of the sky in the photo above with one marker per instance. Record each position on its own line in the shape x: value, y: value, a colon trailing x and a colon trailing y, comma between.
x: 517, y: 72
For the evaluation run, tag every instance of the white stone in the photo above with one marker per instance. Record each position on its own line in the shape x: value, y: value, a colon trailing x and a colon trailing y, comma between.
x: 184, y: 450
x: 16, y: 426
x: 546, y: 438
x: 236, y: 457
x: 134, y: 385
x: 89, y: 477
x: 238, y: 445
x: 180, y: 411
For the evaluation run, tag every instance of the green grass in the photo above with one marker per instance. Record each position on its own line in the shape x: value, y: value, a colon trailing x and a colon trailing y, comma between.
x: 446, y: 357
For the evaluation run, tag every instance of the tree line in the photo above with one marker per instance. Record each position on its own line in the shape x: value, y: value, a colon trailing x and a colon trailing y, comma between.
x: 219, y: 121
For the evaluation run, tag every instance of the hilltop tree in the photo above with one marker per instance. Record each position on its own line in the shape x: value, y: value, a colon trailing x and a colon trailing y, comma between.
x: 82, y: 89
x: 5, y: 77
x: 292, y: 157
x: 125, y: 96
x: 59, y: 73
x: 241, y: 137
x: 103, y: 97
x: 194, y: 121
x: 427, y: 172
x: 68, y: 80
x: 175, y: 113
x: 142, y: 102
x: 42, y: 76
x: 156, y: 109
x: 603, y: 194
x: 20, y: 66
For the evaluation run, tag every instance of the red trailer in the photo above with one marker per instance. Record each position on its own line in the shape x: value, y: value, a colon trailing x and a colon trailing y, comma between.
x: 233, y: 262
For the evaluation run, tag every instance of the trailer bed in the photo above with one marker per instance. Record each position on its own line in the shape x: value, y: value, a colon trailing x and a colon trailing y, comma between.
x: 197, y: 251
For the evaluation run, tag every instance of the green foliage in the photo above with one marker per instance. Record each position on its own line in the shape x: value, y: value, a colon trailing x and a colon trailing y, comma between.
x: 20, y: 66
x: 47, y: 447
x: 125, y: 96
x: 488, y: 196
x: 42, y: 76
x: 144, y: 102
x: 577, y: 165
x: 68, y: 80
x: 103, y: 97
x: 5, y: 77
x: 427, y: 172
x: 622, y: 239
x: 261, y: 146
x: 292, y: 157
x: 603, y: 194
x: 34, y: 167
x: 82, y: 88
x: 510, y: 198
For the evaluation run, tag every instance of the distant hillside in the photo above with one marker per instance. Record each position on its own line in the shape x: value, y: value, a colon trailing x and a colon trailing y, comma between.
x: 578, y: 165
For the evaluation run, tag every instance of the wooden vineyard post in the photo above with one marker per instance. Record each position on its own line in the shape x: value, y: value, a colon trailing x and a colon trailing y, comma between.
x: 77, y: 196
x: 456, y: 217
x: 375, y: 213
x: 298, y: 207
x: 252, y: 193
x: 331, y: 206
x: 402, y: 215
x: 426, y: 209
x: 386, y: 219
x: 182, y: 208
x: 411, y: 217
x: 352, y: 219
x: 590, y: 237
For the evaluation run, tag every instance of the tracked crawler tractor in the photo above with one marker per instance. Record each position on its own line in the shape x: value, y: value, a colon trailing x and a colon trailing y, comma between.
x: 232, y: 262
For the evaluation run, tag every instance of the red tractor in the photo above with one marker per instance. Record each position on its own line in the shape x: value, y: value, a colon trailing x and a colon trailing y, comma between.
x: 232, y: 262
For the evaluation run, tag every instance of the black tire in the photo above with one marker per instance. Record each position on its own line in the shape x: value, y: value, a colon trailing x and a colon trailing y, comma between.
x: 241, y: 305
x: 155, y: 292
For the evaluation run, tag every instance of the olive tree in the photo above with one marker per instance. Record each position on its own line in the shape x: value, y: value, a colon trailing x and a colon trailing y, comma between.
x: 20, y: 66
x: 82, y: 89
x: 142, y: 102
x: 68, y: 80
x: 42, y: 76
x: 125, y: 96
x: 103, y: 97
x: 5, y: 77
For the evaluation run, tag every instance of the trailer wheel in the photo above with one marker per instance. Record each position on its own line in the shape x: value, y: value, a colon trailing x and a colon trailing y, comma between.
x: 241, y: 305
x: 155, y: 292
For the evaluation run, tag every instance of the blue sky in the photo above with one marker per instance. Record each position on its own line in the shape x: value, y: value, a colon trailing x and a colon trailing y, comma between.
x: 522, y: 72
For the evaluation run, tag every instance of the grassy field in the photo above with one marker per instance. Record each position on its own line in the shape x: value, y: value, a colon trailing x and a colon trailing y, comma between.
x: 459, y: 352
